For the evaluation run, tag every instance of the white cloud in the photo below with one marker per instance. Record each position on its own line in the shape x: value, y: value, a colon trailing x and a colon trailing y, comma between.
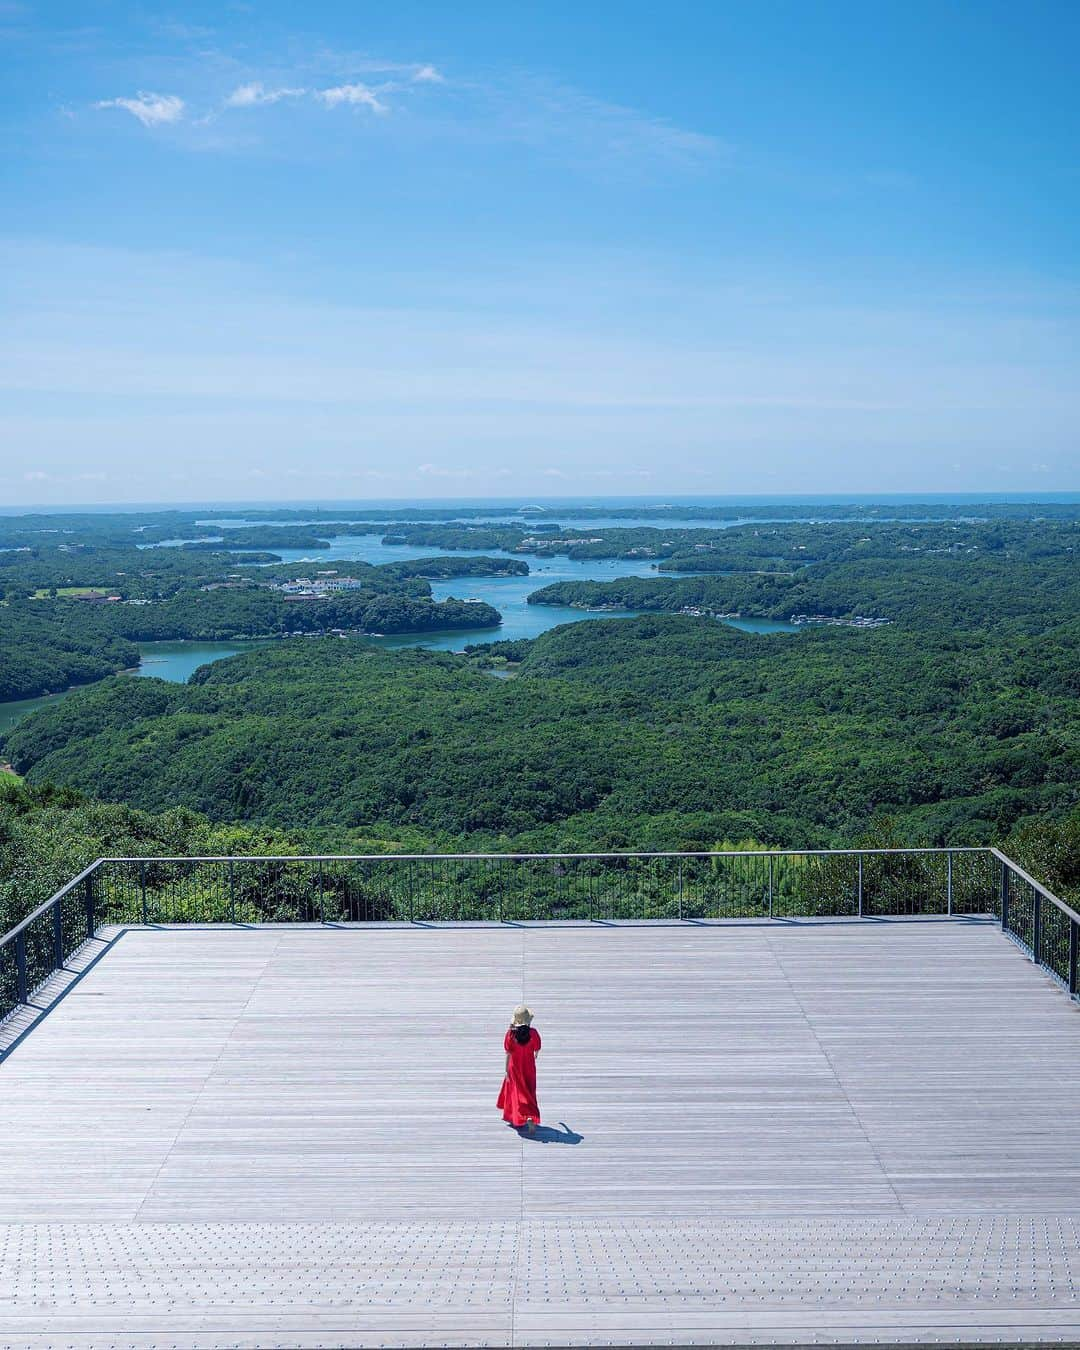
x: 437, y: 471
x: 40, y: 476
x: 427, y: 75
x: 152, y: 110
x: 256, y: 94
x: 355, y: 94
x: 440, y: 471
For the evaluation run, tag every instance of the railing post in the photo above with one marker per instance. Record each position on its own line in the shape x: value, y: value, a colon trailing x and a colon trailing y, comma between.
x: 322, y: 894
x: 91, y: 925
x: 948, y: 882
x: 1036, y: 928
x: 142, y: 890
x: 20, y: 967
x: 58, y: 935
x: 771, y: 862
x: 232, y: 891
x: 1004, y: 897
x: 680, y: 888
x: 1074, y: 943
x: 860, y: 886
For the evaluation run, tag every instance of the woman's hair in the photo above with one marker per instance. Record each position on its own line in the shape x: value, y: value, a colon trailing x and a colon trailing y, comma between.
x: 521, y: 1034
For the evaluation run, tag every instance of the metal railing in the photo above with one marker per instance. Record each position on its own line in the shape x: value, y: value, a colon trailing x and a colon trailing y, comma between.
x: 1038, y: 922
x: 525, y: 887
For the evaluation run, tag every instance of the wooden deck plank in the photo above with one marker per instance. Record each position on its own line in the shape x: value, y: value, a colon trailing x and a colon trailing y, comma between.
x: 825, y: 1132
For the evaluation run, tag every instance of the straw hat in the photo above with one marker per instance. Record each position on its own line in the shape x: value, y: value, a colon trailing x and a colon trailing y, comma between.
x: 522, y: 1016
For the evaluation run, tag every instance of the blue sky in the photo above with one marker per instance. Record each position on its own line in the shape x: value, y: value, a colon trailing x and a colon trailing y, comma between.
x: 262, y: 250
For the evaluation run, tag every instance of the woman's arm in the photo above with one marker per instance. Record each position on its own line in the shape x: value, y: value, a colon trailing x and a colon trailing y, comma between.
x: 506, y: 1067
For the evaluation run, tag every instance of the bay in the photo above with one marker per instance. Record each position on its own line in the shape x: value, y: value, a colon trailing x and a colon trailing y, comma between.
x: 176, y: 660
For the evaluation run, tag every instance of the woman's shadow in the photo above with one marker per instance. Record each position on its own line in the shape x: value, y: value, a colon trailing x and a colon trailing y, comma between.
x: 545, y: 1134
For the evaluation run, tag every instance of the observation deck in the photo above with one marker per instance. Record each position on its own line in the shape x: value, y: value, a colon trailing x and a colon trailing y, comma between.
x: 813, y: 1131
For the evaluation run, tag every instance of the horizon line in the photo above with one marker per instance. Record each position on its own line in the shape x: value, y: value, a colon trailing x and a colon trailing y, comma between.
x: 653, y: 501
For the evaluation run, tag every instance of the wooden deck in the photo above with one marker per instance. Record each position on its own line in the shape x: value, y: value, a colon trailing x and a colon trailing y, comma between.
x: 798, y: 1133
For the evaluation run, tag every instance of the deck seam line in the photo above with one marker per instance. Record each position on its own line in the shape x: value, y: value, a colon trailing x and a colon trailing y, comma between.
x: 205, y: 1083
x: 836, y: 1077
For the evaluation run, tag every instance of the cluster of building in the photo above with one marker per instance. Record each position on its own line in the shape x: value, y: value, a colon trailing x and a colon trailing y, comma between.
x: 859, y: 620
x: 540, y: 544
x: 317, y: 588
x: 699, y: 612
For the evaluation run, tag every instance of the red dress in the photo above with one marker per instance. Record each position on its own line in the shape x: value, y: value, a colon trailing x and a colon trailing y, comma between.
x: 517, y: 1098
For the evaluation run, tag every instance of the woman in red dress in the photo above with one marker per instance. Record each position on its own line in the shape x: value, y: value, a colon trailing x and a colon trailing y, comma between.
x: 517, y: 1098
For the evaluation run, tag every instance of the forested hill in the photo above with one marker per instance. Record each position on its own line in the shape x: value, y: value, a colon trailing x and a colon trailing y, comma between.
x: 69, y: 615
x: 975, y: 593
x: 658, y: 731
x: 124, y: 528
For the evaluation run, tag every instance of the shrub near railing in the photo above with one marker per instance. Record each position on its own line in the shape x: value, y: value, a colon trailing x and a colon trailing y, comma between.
x: 929, y: 881
x: 524, y: 887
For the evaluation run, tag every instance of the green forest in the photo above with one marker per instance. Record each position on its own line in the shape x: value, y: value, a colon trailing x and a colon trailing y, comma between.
x: 651, y: 732
x: 127, y: 527
x: 51, y: 637
x: 955, y: 722
x: 971, y: 593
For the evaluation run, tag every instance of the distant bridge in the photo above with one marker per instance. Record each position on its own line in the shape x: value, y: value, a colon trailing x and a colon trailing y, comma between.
x: 250, y: 1102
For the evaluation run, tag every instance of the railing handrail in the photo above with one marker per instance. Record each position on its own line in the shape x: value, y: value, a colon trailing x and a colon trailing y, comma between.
x: 1036, y: 885
x: 520, y: 857
x: 466, y: 857
x: 532, y: 857
x: 52, y: 900
x: 432, y: 880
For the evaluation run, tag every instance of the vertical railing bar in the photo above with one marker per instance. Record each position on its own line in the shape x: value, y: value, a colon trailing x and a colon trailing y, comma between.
x: 1036, y: 927
x: 90, y: 924
x: 948, y: 883
x: 1004, y: 898
x: 21, y: 993
x: 860, y: 884
x: 58, y: 935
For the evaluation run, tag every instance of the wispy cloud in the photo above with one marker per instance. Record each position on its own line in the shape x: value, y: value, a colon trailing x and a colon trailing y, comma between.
x: 356, y: 95
x: 399, y: 73
x: 256, y: 94
x: 515, y: 108
x: 152, y: 110
x: 41, y: 476
x: 446, y: 471
x: 543, y: 113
